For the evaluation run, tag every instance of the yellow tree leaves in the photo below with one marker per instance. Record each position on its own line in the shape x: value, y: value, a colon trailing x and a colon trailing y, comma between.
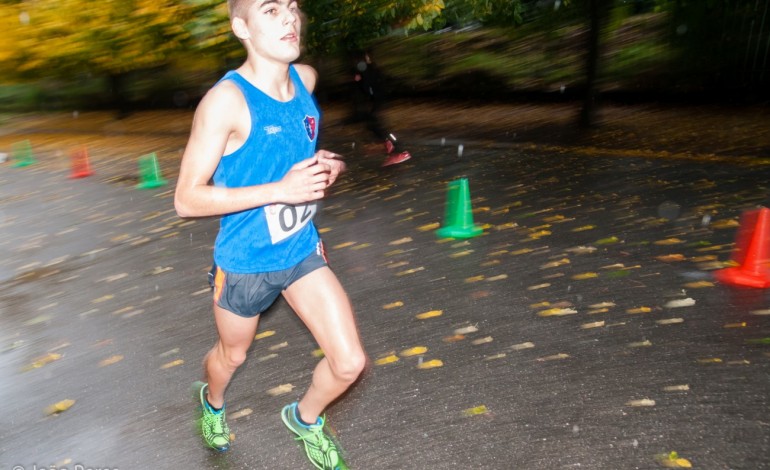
x: 108, y: 37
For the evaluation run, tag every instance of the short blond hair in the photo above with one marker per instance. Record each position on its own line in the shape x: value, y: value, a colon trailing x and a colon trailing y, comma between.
x: 238, y: 8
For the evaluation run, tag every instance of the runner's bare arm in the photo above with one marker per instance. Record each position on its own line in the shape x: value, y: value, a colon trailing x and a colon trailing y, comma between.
x: 214, y: 126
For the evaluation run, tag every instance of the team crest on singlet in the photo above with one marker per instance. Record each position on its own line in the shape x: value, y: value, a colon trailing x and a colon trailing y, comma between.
x: 310, y: 127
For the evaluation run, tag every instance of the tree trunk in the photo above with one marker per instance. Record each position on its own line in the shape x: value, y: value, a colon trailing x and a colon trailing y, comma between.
x: 118, y: 95
x: 598, y: 13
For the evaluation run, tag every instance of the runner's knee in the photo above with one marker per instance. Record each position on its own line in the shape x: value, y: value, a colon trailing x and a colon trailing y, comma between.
x: 233, y: 357
x: 348, y: 369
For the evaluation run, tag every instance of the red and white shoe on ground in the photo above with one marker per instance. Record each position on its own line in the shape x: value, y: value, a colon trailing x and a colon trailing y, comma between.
x: 396, y: 158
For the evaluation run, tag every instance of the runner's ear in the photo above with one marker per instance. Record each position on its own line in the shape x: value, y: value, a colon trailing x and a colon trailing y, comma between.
x: 240, y: 29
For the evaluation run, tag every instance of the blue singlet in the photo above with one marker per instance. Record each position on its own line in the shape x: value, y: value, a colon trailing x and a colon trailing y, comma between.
x: 278, y: 236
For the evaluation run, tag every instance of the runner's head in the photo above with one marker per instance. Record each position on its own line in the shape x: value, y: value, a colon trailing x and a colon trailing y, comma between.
x: 270, y: 28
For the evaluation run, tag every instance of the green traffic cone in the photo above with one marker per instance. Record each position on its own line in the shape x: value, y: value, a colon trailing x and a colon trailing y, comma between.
x: 149, y: 172
x: 21, y: 154
x: 458, y: 219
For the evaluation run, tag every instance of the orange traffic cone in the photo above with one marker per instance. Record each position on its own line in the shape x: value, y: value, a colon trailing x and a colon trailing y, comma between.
x: 81, y: 167
x: 752, y: 252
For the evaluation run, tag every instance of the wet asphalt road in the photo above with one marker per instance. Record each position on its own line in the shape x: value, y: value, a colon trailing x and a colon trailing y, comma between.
x: 582, y: 330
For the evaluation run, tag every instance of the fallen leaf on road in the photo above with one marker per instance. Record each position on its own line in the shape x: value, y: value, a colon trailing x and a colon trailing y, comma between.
x: 386, y: 360
x: 264, y: 334
x: 168, y: 365
x: 641, y: 402
x: 110, y: 360
x: 59, y: 407
x: 476, y: 410
x: 430, y: 314
x: 433, y: 363
x: 280, y: 390
x: 415, y: 351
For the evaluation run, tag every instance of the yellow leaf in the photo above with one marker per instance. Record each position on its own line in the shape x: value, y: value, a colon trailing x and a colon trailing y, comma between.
x: 318, y: 353
x: 110, y: 360
x: 343, y: 245
x: 473, y: 279
x: 484, y: 340
x: 580, y: 277
x: 393, y: 305
x: 729, y: 223
x: 168, y: 365
x: 556, y: 312
x: 453, y: 338
x: 102, y: 299
x: 459, y: 254
x: 598, y: 310
x: 669, y: 241
x: 280, y: 390
x: 240, y: 413
x: 670, y: 258
x: 642, y: 402
x: 539, y: 286
x: 639, y: 310
x: 495, y: 356
x: 430, y: 314
x: 584, y: 228
x: 433, y: 363
x: 603, y: 305
x: 59, y: 407
x: 553, y: 357
x: 417, y: 350
x: 466, y: 330
x: 410, y: 271
x: 555, y: 264
x: 428, y: 227
x: 699, y: 284
x: 264, y: 334
x: 476, y: 410
x: 710, y: 360
x: 538, y: 235
x: 386, y: 360
x: 43, y: 361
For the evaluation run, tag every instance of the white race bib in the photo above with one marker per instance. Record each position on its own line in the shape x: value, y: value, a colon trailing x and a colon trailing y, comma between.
x: 285, y: 220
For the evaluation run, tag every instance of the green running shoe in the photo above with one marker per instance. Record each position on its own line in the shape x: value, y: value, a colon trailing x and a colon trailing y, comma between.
x: 320, y: 449
x: 213, y: 426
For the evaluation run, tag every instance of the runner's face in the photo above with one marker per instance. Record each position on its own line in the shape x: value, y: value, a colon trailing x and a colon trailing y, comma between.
x: 274, y: 29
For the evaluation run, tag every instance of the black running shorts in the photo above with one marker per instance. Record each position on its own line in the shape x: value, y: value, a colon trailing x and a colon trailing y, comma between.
x: 248, y: 295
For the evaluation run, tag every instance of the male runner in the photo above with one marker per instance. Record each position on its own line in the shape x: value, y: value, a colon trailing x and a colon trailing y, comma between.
x: 254, y: 135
